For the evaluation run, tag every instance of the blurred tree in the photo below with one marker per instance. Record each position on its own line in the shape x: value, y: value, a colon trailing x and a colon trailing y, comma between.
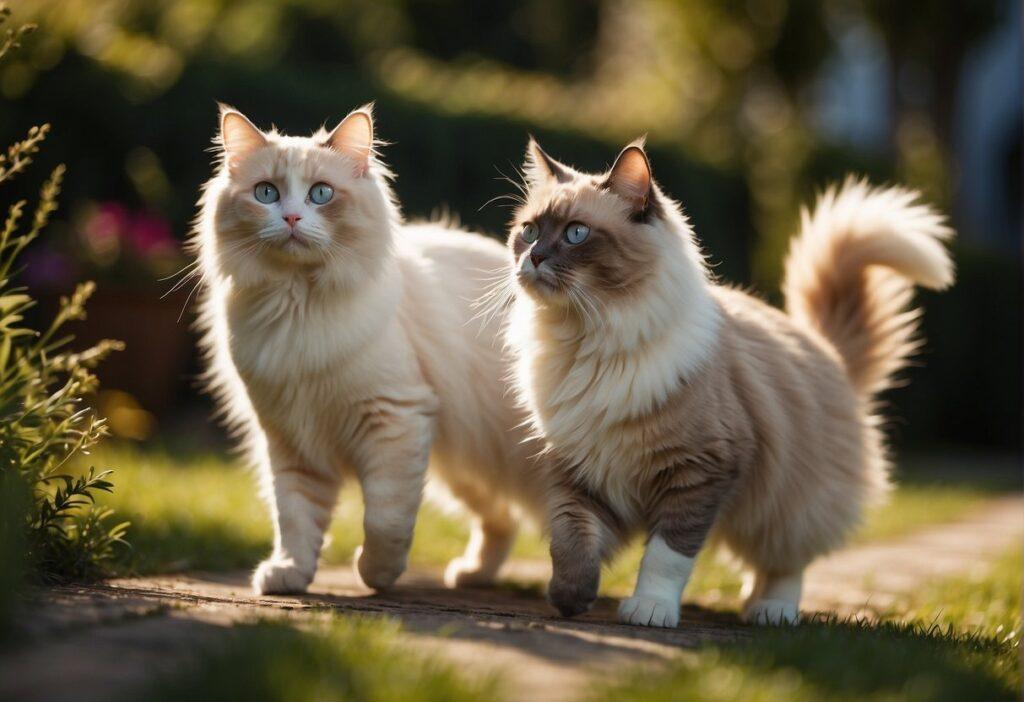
x: 927, y: 42
x: 725, y: 89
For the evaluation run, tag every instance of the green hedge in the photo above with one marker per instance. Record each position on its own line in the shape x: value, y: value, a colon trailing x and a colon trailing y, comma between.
x: 965, y: 387
x: 441, y: 159
x: 966, y: 390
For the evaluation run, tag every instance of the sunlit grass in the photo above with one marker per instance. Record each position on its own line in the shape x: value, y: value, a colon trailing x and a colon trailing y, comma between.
x: 951, y: 640
x: 986, y: 601
x: 915, y: 656
x: 202, y: 512
x: 916, y: 504
x: 836, y: 661
x: 344, y: 658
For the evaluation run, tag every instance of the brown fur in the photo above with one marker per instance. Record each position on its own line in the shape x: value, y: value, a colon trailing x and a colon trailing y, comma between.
x: 679, y: 407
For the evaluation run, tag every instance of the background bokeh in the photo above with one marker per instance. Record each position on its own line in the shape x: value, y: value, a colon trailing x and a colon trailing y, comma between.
x: 750, y: 107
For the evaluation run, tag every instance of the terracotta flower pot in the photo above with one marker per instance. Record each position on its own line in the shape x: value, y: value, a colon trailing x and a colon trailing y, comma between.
x: 154, y: 365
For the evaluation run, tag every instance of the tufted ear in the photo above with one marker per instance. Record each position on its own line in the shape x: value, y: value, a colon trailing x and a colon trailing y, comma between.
x: 238, y: 136
x: 353, y: 137
x: 630, y: 176
x: 539, y: 166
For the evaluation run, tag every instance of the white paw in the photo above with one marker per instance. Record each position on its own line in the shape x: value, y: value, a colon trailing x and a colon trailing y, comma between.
x: 771, y: 612
x: 280, y: 577
x: 374, y: 573
x: 649, y: 611
x: 464, y: 572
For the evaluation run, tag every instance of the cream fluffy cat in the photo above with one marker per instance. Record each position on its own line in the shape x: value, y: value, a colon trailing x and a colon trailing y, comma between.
x: 679, y: 407
x: 344, y: 344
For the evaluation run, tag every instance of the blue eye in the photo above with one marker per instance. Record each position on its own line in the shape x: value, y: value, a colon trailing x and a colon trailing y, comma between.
x: 320, y: 193
x: 576, y: 232
x: 530, y: 232
x: 266, y: 193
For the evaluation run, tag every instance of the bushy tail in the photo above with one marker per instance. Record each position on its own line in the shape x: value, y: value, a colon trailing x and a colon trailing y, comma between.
x: 850, y: 274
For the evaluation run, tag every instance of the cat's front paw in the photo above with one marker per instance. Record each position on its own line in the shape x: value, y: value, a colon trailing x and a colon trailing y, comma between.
x: 571, y: 597
x: 649, y: 611
x: 464, y: 572
x: 280, y: 577
x: 771, y: 612
x: 375, y: 572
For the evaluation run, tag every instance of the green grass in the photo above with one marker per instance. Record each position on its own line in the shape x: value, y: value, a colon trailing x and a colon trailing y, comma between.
x: 344, y: 658
x: 956, y: 639
x: 202, y: 512
x: 14, y: 500
x: 916, y: 504
x: 938, y: 653
x: 987, y: 602
x: 833, y: 661
x: 953, y: 640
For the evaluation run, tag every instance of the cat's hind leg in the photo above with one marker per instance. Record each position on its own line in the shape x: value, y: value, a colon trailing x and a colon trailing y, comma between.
x: 492, y: 536
x: 490, y: 542
x: 773, y: 598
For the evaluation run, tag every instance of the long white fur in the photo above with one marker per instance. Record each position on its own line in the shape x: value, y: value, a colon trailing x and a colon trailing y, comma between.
x: 889, y: 226
x: 659, y: 586
x: 634, y: 358
x: 302, y: 350
x: 577, y: 378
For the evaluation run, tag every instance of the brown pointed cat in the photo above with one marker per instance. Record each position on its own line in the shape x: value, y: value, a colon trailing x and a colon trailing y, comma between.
x: 682, y: 408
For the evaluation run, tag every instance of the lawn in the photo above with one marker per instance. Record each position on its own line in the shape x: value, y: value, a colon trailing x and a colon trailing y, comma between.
x: 201, y: 512
x: 338, y: 658
x: 955, y: 639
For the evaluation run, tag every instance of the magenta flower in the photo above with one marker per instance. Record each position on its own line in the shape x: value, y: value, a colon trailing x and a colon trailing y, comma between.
x: 104, y: 229
x: 150, y: 235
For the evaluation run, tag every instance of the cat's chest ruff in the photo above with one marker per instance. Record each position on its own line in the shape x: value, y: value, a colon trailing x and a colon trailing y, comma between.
x: 590, y: 433
x: 606, y: 422
x: 586, y: 406
x: 608, y: 466
x: 287, y: 337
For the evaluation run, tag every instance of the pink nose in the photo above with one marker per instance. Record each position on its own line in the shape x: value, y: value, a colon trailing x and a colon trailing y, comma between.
x: 292, y: 219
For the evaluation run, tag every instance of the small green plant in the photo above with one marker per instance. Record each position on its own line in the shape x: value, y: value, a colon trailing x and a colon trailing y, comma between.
x: 48, y: 513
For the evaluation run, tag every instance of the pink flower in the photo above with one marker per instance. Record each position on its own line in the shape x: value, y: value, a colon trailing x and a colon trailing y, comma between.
x: 104, y: 229
x: 150, y: 235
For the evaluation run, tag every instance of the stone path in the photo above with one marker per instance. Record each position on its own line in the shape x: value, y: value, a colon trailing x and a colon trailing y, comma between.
x: 872, y: 577
x: 153, y: 625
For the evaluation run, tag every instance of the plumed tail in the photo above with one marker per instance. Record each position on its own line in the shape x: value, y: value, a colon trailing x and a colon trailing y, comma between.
x: 850, y: 275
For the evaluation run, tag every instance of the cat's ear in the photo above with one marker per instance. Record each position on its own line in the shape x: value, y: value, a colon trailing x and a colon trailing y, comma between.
x: 630, y: 177
x: 539, y: 166
x: 353, y: 137
x: 238, y: 136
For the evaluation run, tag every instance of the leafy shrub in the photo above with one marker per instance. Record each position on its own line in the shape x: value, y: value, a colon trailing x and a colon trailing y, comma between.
x: 49, y: 528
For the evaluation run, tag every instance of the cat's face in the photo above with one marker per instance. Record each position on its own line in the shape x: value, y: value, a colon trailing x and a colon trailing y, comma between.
x: 580, y: 236
x: 318, y: 204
